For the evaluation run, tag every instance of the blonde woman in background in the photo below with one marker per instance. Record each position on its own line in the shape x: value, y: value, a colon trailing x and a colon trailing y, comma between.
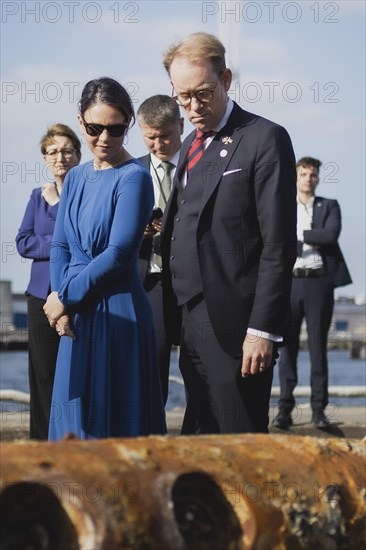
x: 60, y: 148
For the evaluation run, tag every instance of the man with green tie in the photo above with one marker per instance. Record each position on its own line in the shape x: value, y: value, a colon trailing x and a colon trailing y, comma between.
x: 161, y: 126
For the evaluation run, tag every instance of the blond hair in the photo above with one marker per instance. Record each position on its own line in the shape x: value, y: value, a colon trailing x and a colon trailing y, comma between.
x: 59, y: 130
x: 197, y: 47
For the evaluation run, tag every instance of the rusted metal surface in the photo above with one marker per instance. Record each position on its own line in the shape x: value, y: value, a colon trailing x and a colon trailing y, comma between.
x: 199, y: 493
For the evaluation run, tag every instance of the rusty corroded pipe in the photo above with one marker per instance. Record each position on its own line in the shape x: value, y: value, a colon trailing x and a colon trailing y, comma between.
x: 210, y: 492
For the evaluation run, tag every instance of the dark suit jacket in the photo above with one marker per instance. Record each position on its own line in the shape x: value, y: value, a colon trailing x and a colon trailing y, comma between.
x: 325, y: 232
x: 246, y: 236
x: 147, y: 243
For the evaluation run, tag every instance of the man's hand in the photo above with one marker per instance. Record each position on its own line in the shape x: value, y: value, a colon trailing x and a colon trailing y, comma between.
x: 150, y: 231
x: 157, y: 224
x: 257, y: 355
x: 153, y: 228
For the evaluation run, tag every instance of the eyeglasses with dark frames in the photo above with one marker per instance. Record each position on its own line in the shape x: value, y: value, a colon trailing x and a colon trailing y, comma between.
x: 203, y: 96
x: 114, y: 130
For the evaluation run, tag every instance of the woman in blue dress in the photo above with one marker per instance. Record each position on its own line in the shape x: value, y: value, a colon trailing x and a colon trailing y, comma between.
x: 107, y: 379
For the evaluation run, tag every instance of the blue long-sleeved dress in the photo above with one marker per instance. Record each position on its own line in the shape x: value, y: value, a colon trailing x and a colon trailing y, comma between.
x: 107, y: 380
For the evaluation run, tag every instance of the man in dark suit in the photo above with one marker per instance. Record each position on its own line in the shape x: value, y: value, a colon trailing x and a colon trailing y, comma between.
x: 161, y: 126
x: 228, y: 244
x: 319, y: 268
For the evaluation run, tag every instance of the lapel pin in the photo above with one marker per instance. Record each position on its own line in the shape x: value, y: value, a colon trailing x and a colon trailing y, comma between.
x: 223, y: 153
x: 227, y: 140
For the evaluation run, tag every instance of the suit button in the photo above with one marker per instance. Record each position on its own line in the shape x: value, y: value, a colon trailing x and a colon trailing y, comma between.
x: 173, y: 275
x: 172, y: 238
x: 172, y: 257
x: 177, y: 219
x: 182, y: 201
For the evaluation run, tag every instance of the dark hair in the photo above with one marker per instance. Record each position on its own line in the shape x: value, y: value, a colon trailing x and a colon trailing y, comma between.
x: 59, y: 130
x: 309, y: 162
x: 109, y: 91
x: 158, y: 110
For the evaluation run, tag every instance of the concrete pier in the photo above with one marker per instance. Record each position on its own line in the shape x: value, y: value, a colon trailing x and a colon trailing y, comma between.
x: 346, y: 422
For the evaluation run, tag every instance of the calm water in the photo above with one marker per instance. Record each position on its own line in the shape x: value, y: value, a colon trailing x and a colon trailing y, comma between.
x: 343, y: 371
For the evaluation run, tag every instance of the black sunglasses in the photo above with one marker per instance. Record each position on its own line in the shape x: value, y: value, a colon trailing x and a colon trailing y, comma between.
x: 114, y: 130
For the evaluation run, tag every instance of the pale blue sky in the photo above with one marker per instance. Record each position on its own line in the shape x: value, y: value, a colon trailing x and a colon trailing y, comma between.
x: 301, y: 64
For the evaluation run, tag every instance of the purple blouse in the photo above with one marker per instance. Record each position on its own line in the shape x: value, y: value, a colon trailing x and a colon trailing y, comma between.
x: 34, y: 241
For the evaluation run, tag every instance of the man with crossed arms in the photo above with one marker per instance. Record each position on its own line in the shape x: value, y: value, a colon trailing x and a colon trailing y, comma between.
x: 319, y: 268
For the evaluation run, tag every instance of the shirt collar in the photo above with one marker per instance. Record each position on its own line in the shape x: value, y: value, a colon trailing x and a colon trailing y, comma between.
x: 309, y: 204
x: 155, y: 161
x: 225, y: 118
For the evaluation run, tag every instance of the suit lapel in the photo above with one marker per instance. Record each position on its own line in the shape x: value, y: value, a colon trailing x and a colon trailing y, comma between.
x: 145, y: 160
x: 183, y: 157
x: 218, y: 155
x: 318, y: 211
x: 215, y: 161
x: 220, y: 152
x: 169, y: 209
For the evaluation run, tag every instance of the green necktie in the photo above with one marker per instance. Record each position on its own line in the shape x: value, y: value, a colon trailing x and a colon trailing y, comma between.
x: 165, y: 184
x: 165, y: 187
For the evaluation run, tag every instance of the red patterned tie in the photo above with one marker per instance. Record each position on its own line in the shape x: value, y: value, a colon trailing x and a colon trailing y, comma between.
x: 196, y: 150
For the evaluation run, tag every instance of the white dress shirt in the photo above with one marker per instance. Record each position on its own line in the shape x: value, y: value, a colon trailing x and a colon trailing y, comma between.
x: 310, y: 258
x: 157, y: 174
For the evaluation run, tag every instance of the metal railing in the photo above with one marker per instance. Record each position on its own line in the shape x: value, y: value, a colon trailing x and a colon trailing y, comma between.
x: 300, y: 391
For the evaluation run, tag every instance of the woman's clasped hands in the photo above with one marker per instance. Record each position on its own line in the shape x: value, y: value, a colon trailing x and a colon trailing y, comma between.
x: 57, y: 318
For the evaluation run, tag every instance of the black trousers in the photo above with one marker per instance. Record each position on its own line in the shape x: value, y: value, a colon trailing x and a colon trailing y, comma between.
x: 312, y: 299
x: 43, y: 344
x: 155, y: 293
x: 219, y: 400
